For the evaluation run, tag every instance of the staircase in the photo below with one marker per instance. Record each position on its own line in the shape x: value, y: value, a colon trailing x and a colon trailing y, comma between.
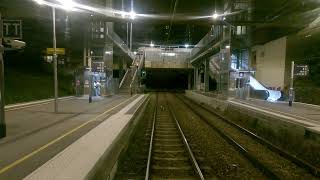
x: 125, y: 86
x: 131, y: 81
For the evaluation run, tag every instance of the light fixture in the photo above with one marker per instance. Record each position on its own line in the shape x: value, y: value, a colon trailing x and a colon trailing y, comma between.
x: 186, y: 45
x: 108, y: 52
x: 227, y: 47
x: 215, y: 15
x: 123, y: 14
x: 40, y: 2
x: 135, y: 52
x: 151, y: 44
x: 169, y: 54
x: 132, y: 15
x: 67, y: 4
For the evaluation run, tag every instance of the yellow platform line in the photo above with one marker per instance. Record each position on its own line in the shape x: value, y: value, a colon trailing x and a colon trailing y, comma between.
x: 28, y: 156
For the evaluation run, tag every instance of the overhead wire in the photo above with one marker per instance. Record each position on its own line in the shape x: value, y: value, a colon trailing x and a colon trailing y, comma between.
x: 172, y: 18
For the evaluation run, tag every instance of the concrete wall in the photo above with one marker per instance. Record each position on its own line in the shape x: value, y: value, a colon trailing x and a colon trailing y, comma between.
x: 270, y: 62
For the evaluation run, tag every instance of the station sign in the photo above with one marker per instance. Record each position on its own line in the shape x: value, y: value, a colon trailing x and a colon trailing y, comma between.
x: 59, y: 51
x: 12, y: 29
x: 241, y: 5
x: 301, y: 70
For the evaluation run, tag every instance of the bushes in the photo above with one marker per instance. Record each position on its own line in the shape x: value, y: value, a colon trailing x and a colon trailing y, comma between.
x: 23, y: 86
x: 307, y: 91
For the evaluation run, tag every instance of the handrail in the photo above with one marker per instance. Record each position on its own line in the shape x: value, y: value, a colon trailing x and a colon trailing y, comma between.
x: 133, y: 80
x: 122, y: 81
x: 120, y: 43
x: 136, y: 72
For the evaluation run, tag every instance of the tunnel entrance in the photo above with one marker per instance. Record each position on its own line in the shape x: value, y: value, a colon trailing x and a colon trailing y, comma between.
x: 168, y: 79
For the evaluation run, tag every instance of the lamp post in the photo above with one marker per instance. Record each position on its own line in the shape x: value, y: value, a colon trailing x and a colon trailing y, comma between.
x: 291, y: 90
x: 68, y: 5
x: 2, y: 115
x: 55, y: 63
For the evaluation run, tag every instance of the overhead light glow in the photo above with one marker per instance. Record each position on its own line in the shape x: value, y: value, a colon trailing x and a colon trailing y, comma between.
x: 151, y: 44
x: 40, y: 2
x: 123, y: 14
x: 132, y: 15
x: 215, y: 16
x: 108, y: 52
x: 227, y: 47
x: 68, y: 5
x: 186, y: 45
x: 135, y: 52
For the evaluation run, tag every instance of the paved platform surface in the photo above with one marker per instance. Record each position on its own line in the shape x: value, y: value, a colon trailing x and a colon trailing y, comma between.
x: 36, y: 134
x: 78, y: 159
x: 303, y: 115
x: 306, y: 115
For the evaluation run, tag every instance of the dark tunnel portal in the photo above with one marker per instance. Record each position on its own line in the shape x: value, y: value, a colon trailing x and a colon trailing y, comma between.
x: 167, y: 79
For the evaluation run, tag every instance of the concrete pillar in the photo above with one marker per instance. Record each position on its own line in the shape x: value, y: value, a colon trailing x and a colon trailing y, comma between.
x: 206, y: 76
x: 189, y: 81
x: 111, y: 83
x: 195, y: 79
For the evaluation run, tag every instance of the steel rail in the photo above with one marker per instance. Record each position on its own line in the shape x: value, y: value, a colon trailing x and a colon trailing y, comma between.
x: 301, y: 163
x: 234, y: 143
x: 185, y: 141
x: 147, y: 177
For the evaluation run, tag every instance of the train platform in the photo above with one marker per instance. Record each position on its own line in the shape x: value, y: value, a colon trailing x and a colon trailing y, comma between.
x: 300, y: 114
x: 35, y: 134
x: 303, y: 114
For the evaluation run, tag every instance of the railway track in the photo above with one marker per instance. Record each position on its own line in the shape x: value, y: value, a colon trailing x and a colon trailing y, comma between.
x: 170, y: 155
x: 179, y: 139
x: 270, y: 172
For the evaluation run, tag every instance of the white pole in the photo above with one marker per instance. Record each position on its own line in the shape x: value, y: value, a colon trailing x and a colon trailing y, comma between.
x: 131, y: 27
x: 291, y: 93
x: 131, y: 36
x: 2, y: 115
x: 55, y: 63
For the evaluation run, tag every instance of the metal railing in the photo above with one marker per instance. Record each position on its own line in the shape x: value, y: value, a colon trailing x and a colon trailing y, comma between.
x: 121, y: 44
x: 134, y: 78
x: 124, y: 77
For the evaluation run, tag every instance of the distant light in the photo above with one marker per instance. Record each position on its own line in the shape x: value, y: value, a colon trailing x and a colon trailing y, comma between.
x: 227, y: 47
x: 135, y: 52
x: 224, y: 18
x: 40, y: 2
x: 91, y: 15
x: 215, y: 16
x: 108, y: 52
x: 132, y: 15
x: 151, y: 44
x: 169, y: 54
x: 309, y: 35
x: 186, y: 45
